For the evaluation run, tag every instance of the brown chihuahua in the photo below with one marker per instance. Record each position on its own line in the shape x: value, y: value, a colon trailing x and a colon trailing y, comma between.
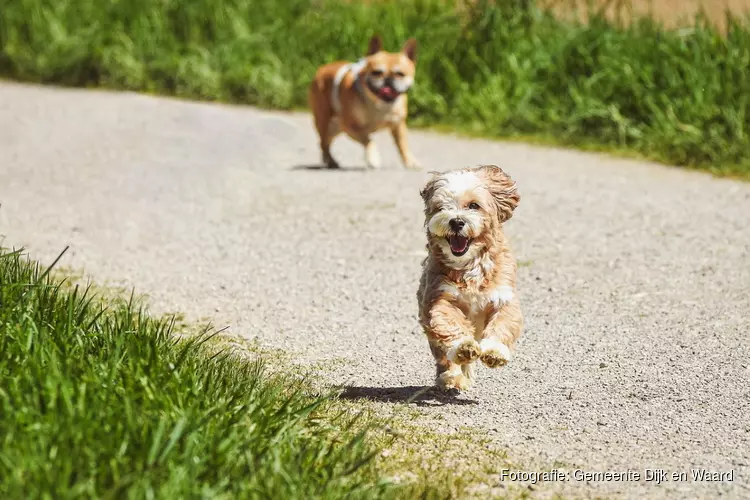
x: 364, y: 97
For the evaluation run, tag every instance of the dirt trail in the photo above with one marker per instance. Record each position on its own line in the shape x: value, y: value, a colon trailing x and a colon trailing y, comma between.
x: 633, y: 277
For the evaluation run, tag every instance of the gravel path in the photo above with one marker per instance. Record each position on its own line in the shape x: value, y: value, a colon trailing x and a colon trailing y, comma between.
x: 633, y: 277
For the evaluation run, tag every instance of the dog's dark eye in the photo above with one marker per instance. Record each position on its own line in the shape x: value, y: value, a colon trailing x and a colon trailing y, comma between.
x: 399, y: 74
x: 376, y: 73
x: 473, y: 206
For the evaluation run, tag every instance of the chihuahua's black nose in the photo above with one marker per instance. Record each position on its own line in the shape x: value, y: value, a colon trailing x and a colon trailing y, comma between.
x: 456, y: 224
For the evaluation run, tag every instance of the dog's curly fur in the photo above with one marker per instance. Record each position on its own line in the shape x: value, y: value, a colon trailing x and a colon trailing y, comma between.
x: 468, y: 305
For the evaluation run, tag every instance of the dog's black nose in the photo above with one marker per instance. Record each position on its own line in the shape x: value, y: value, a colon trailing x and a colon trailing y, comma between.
x: 457, y: 224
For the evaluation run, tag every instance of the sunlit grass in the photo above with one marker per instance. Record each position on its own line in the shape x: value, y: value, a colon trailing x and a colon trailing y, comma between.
x: 105, y: 402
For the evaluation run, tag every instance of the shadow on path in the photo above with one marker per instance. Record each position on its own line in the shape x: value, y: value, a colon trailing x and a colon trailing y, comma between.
x: 319, y: 167
x: 419, y: 395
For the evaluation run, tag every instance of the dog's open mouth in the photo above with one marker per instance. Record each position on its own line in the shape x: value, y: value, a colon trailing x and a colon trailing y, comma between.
x: 459, y: 244
x: 385, y: 93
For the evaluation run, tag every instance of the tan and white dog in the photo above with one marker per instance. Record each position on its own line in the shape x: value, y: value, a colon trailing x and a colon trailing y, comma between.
x: 468, y: 305
x: 364, y: 97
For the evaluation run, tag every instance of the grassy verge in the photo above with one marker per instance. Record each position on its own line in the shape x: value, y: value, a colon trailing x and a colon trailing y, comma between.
x: 100, y: 400
x: 502, y: 68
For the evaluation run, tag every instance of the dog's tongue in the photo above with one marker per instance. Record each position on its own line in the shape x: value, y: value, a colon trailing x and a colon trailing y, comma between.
x: 387, y: 91
x: 458, y: 243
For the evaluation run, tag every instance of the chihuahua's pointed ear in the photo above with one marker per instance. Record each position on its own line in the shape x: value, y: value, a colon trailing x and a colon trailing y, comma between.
x: 410, y: 49
x: 503, y: 190
x: 375, y: 45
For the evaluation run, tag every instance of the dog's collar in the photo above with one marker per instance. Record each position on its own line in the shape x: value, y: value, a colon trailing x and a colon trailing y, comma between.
x: 356, y: 70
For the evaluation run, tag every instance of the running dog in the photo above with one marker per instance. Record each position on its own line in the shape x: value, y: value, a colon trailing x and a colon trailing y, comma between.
x: 364, y: 97
x: 468, y: 307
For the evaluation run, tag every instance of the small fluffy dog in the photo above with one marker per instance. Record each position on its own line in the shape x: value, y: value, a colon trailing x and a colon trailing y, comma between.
x: 364, y: 97
x: 467, y: 301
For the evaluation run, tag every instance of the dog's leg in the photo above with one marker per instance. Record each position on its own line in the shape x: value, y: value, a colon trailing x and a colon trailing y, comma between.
x: 372, y: 157
x: 325, y: 123
x: 501, y: 333
x: 328, y: 128
x: 469, y: 371
x: 449, y: 375
x: 399, y: 136
x: 451, y: 341
x: 333, y: 129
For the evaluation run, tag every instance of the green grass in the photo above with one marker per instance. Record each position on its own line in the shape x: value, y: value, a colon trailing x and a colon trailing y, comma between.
x: 502, y: 68
x: 106, y: 403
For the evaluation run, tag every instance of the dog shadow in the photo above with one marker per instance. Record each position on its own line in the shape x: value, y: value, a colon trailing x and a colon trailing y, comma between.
x: 418, y: 395
x: 325, y: 168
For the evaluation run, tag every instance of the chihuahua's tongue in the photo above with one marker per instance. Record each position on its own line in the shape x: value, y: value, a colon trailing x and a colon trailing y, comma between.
x: 458, y: 243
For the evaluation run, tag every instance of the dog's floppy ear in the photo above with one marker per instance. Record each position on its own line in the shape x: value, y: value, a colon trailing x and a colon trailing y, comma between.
x: 410, y: 49
x: 429, y: 189
x: 503, y: 190
x: 375, y: 45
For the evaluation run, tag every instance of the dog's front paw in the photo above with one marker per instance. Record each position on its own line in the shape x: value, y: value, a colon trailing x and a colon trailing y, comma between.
x: 453, y: 380
x: 464, y: 351
x: 494, y: 353
x: 411, y: 163
x: 372, y: 156
x: 329, y: 162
